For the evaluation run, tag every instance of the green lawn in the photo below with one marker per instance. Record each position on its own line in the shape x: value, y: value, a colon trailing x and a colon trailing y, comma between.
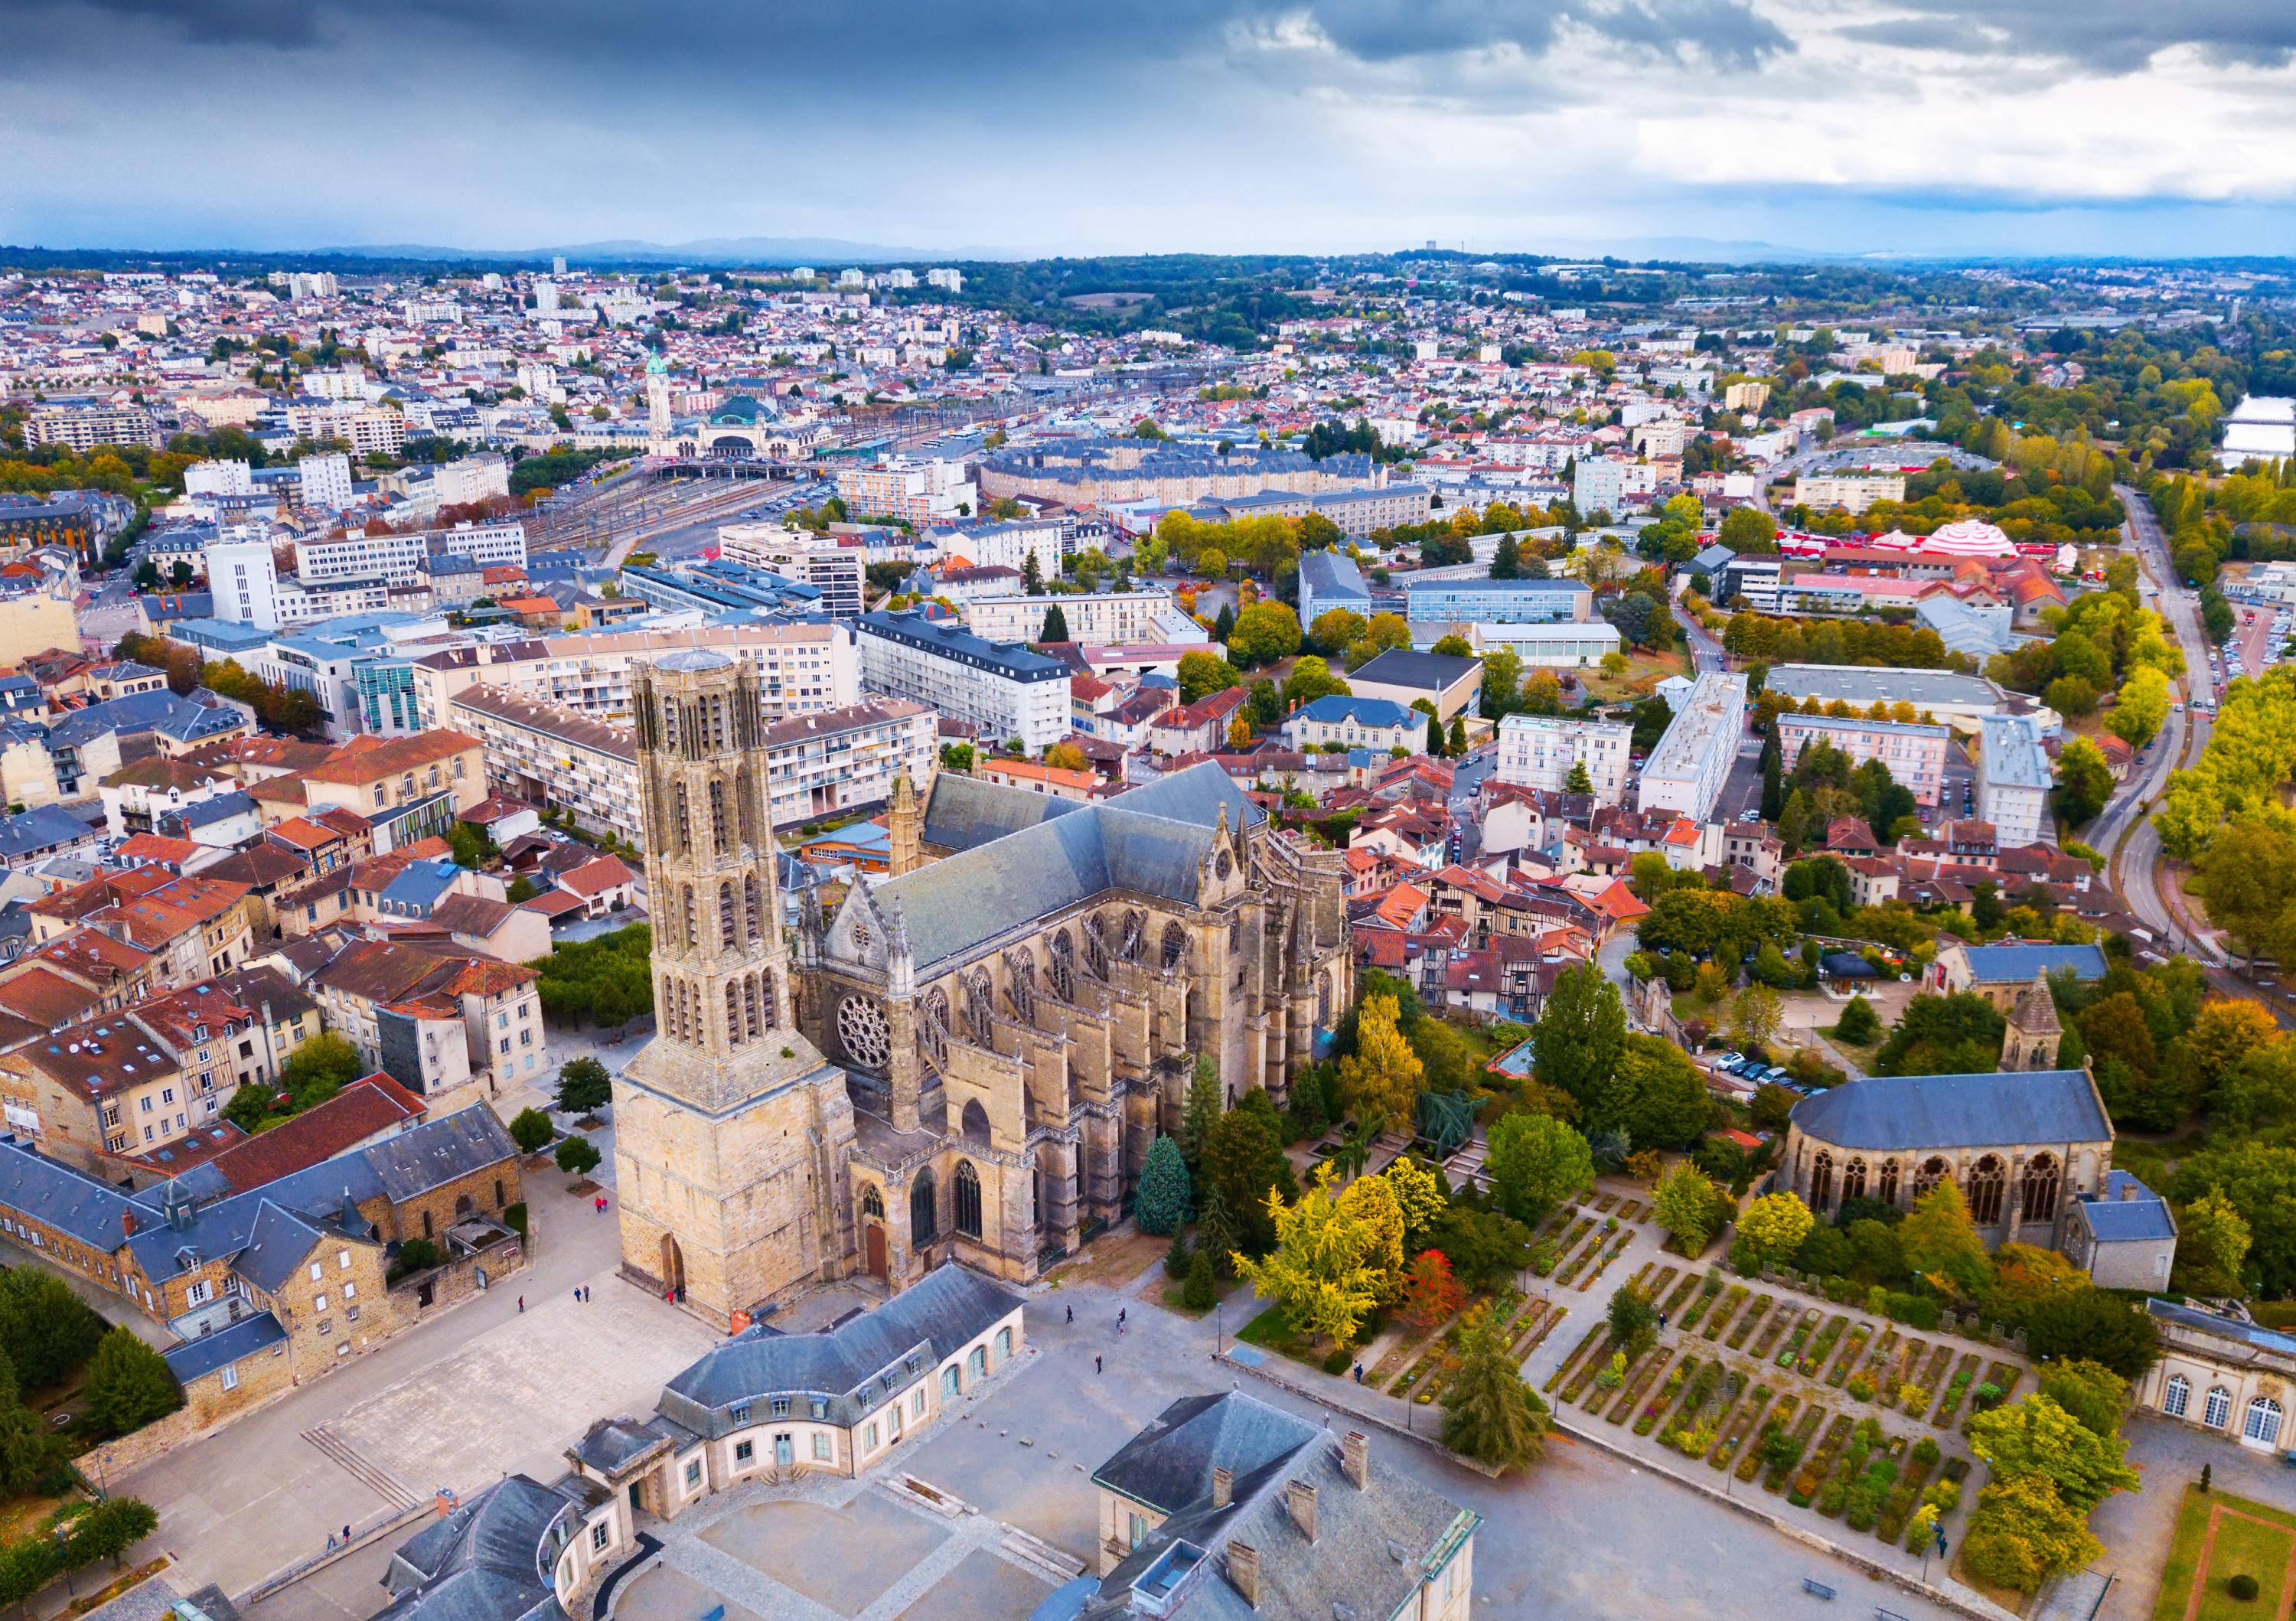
x: 2243, y: 1547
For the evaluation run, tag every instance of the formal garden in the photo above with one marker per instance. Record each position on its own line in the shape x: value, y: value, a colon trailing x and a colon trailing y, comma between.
x: 2231, y: 1559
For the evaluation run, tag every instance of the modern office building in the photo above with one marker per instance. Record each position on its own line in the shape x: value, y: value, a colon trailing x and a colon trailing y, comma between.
x: 1913, y: 753
x: 2013, y: 780
x: 1571, y: 644
x: 1001, y: 690
x: 1686, y: 772
x: 1958, y: 700
x: 1540, y: 751
x: 1487, y: 602
x: 834, y: 566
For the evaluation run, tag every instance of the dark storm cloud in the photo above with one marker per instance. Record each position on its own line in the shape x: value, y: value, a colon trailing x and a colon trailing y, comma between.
x: 2108, y: 36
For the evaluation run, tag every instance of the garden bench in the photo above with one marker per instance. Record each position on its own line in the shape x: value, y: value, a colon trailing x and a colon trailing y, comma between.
x: 1811, y: 1585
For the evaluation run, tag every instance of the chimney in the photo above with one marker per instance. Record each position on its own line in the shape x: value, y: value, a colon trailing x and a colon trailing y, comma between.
x: 1244, y: 1570
x: 1299, y: 1497
x: 2128, y: 1187
x: 128, y: 1224
x: 1355, y: 1459
x: 1223, y: 1486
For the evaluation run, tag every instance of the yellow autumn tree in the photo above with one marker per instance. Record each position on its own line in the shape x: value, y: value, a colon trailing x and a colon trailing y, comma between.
x: 1372, y: 1201
x: 1324, y: 1271
x: 1382, y: 1075
x: 1419, y: 1195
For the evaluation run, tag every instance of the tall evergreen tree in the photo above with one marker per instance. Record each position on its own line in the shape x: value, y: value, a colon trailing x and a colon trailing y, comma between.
x: 1434, y: 737
x: 1456, y: 740
x: 1582, y: 1034
x: 1506, y: 560
x: 1057, y: 625
x: 1161, y: 1206
x: 1223, y: 626
x: 1578, y: 781
x: 1032, y: 578
x: 1774, y: 791
x: 1488, y: 1412
x: 1200, y: 1111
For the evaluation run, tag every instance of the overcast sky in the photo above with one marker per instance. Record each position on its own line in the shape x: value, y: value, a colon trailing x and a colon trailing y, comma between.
x: 2139, y: 127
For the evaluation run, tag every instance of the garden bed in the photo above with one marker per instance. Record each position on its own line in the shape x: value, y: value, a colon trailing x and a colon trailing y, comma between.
x: 1853, y: 1348
x: 1774, y: 1480
x: 1611, y: 1252
x: 1957, y: 1390
x: 1719, y: 1317
x: 1682, y: 1292
x: 1599, y: 1333
x: 1746, y: 1323
x: 1656, y: 1407
x: 1752, y: 1459
x: 1784, y: 1315
x: 1742, y: 1423
x: 1710, y: 1289
x: 1814, y: 1473
x: 1641, y: 1376
x: 1901, y: 1371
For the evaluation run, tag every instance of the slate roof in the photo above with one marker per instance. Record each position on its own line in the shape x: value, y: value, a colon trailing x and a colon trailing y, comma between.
x: 1901, y: 1112
x: 2127, y: 1212
x: 38, y: 830
x: 1336, y: 708
x: 196, y: 1357
x: 932, y: 1318
x: 32, y: 1184
x: 2207, y: 1322
x: 1332, y: 576
x: 482, y: 1562
x: 1402, y: 666
x: 1169, y: 1465
x: 2015, y: 964
x: 439, y: 1152
x: 275, y: 1247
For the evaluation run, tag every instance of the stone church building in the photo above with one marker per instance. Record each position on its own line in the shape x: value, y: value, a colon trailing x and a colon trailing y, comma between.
x: 967, y: 1058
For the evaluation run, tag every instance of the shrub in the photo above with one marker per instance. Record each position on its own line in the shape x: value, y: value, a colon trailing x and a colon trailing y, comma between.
x: 531, y: 1130
x: 1830, y: 1497
x: 2241, y: 1587
x: 129, y: 1384
x: 1179, y: 1257
x: 1925, y: 1453
x: 576, y: 1157
x: 1916, y: 1311
x: 1862, y: 1388
x: 1203, y: 1287
x: 1338, y: 1361
x: 1162, y: 1205
x: 417, y: 1255
x: 514, y: 1216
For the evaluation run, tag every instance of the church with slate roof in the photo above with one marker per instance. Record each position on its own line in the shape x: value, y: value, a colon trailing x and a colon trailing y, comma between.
x: 966, y: 1059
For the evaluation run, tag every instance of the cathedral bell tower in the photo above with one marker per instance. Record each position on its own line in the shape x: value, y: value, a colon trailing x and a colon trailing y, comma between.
x: 729, y: 1125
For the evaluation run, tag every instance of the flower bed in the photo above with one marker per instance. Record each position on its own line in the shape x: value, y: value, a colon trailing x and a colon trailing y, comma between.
x: 1851, y: 1350
x: 1791, y: 1356
x: 2002, y: 1377
x: 1569, y: 1240
x: 1754, y: 1459
x: 1933, y: 1371
x: 1877, y: 1360
x: 1600, y: 1332
x: 1745, y: 1324
x: 1814, y: 1355
x: 1610, y: 1253
x: 1899, y: 1506
x: 1783, y: 1316
x: 1539, y: 1320
x: 1655, y: 1287
x: 1700, y: 1432
x: 1682, y: 1290
x: 1901, y: 1371
x: 1719, y: 1317
x: 1607, y: 1203
x: 1804, y: 1428
x: 1814, y: 1473
x: 1958, y: 1391
x: 1694, y: 1399
x: 1647, y: 1419
x: 1706, y: 1291
x: 1631, y: 1210
x: 1742, y: 1423
x: 1643, y: 1377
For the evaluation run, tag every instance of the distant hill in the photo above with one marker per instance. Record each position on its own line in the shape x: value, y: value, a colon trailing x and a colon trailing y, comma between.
x: 827, y: 251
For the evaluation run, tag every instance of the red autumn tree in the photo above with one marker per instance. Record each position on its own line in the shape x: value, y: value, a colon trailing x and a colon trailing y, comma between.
x: 1431, y: 1295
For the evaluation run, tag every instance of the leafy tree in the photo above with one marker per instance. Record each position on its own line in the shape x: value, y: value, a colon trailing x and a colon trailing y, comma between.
x: 2248, y: 879
x: 1775, y: 1225
x: 1489, y: 1414
x: 2094, y: 1325
x: 1748, y: 529
x: 1420, y: 1196
x: 2258, y: 1181
x: 2090, y: 1391
x: 1203, y: 674
x: 1632, y: 1320
x: 1484, y: 1248
x: 47, y: 1331
x: 1433, y: 1294
x: 2212, y: 1245
x: 531, y: 1130
x: 583, y: 1086
x: 1580, y: 1036
x: 1164, y: 1204
x: 1264, y: 633
x: 2142, y: 708
x: 2024, y: 1531
x: 129, y: 1384
x: 1684, y: 1206
x: 1578, y: 781
x: 1324, y: 1270
x: 1336, y: 629
x: 1382, y: 1075
x: 1243, y: 1164
x: 1957, y: 1034
x: 1755, y: 1016
x: 576, y: 1157
x: 1506, y: 559
x: 2037, y: 1436
x: 471, y: 846
x: 1940, y: 1241
x: 2084, y: 780
x: 1657, y: 1095
x: 1434, y: 746
x: 1311, y: 678
x: 1536, y: 1162
x: 26, y: 1448
x: 1201, y: 1110
x: 110, y: 1528
x: 1860, y: 1026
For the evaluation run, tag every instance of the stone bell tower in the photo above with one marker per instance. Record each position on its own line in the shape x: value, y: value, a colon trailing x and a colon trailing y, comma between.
x: 731, y: 1128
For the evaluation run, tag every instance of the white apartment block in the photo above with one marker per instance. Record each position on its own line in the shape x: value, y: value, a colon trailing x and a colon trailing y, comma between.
x: 820, y: 765
x: 1598, y: 484
x: 917, y: 491
x: 325, y: 482
x: 1852, y: 492
x: 951, y: 281
x: 364, y: 429
x: 1539, y: 750
x: 2013, y: 780
x: 1103, y: 619
x: 219, y: 479
x: 490, y: 546
x: 837, y: 572
x: 394, y: 559
x: 472, y: 479
x: 1915, y: 754
x: 801, y: 669
x: 245, y: 582
x: 82, y: 428
x: 1000, y: 690
x: 1685, y: 774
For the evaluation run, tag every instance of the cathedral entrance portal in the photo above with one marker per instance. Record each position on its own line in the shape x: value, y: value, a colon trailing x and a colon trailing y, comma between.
x: 873, y: 1241
x: 673, y: 1266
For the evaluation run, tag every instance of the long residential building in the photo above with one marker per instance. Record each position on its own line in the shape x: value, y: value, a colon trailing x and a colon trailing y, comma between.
x: 1540, y: 751
x: 1959, y: 701
x: 1913, y: 753
x: 1110, y: 471
x: 1488, y: 602
x: 802, y: 669
x: 2013, y: 780
x: 816, y: 764
x: 1102, y: 617
x: 1685, y: 774
x: 1853, y: 493
x: 1001, y: 690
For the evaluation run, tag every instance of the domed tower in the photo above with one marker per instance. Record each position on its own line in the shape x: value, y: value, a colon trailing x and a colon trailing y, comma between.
x: 2031, y: 1042
x: 729, y: 1125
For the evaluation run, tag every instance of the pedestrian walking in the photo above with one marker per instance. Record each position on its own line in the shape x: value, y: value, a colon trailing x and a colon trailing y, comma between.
x: 1119, y: 1316
x: 346, y: 1537
x: 331, y: 1541
x: 521, y: 1305
x: 1095, y: 1361
x: 1072, y: 1314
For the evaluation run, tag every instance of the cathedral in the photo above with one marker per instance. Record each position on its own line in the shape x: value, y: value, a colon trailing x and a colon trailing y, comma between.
x: 967, y: 1058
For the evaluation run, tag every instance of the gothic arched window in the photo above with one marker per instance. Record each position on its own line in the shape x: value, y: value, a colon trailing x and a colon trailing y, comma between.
x: 924, y: 1214
x: 1934, y: 1170
x: 728, y: 922
x: 968, y: 1200
x: 1986, y: 1180
x: 769, y: 1008
x: 932, y: 1029
x: 1887, y: 1193
x: 684, y: 823
x: 1853, y: 1180
x: 1176, y: 945
x: 732, y: 1013
x: 1021, y: 984
x: 1060, y: 966
x: 1821, y: 1185
x: 749, y: 1003
x: 692, y: 920
x: 873, y: 1203
x: 750, y: 908
x: 720, y: 840
x: 2038, y: 1193
x: 979, y: 1007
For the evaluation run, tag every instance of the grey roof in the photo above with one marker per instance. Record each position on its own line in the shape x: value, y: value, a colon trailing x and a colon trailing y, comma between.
x: 275, y: 1247
x: 185, y: 718
x: 1863, y: 683
x: 930, y: 1320
x: 197, y: 1357
x: 1913, y: 1112
x: 439, y: 1152
x: 39, y: 830
x: 612, y: 1444
x: 1169, y: 1465
x: 1402, y: 666
x: 2207, y: 1322
x: 2127, y: 1212
x: 222, y: 807
x: 693, y: 659
x: 964, y: 811
x: 1332, y: 575
x: 32, y: 1184
x: 2017, y: 964
x: 486, y: 1561
x: 1150, y: 841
